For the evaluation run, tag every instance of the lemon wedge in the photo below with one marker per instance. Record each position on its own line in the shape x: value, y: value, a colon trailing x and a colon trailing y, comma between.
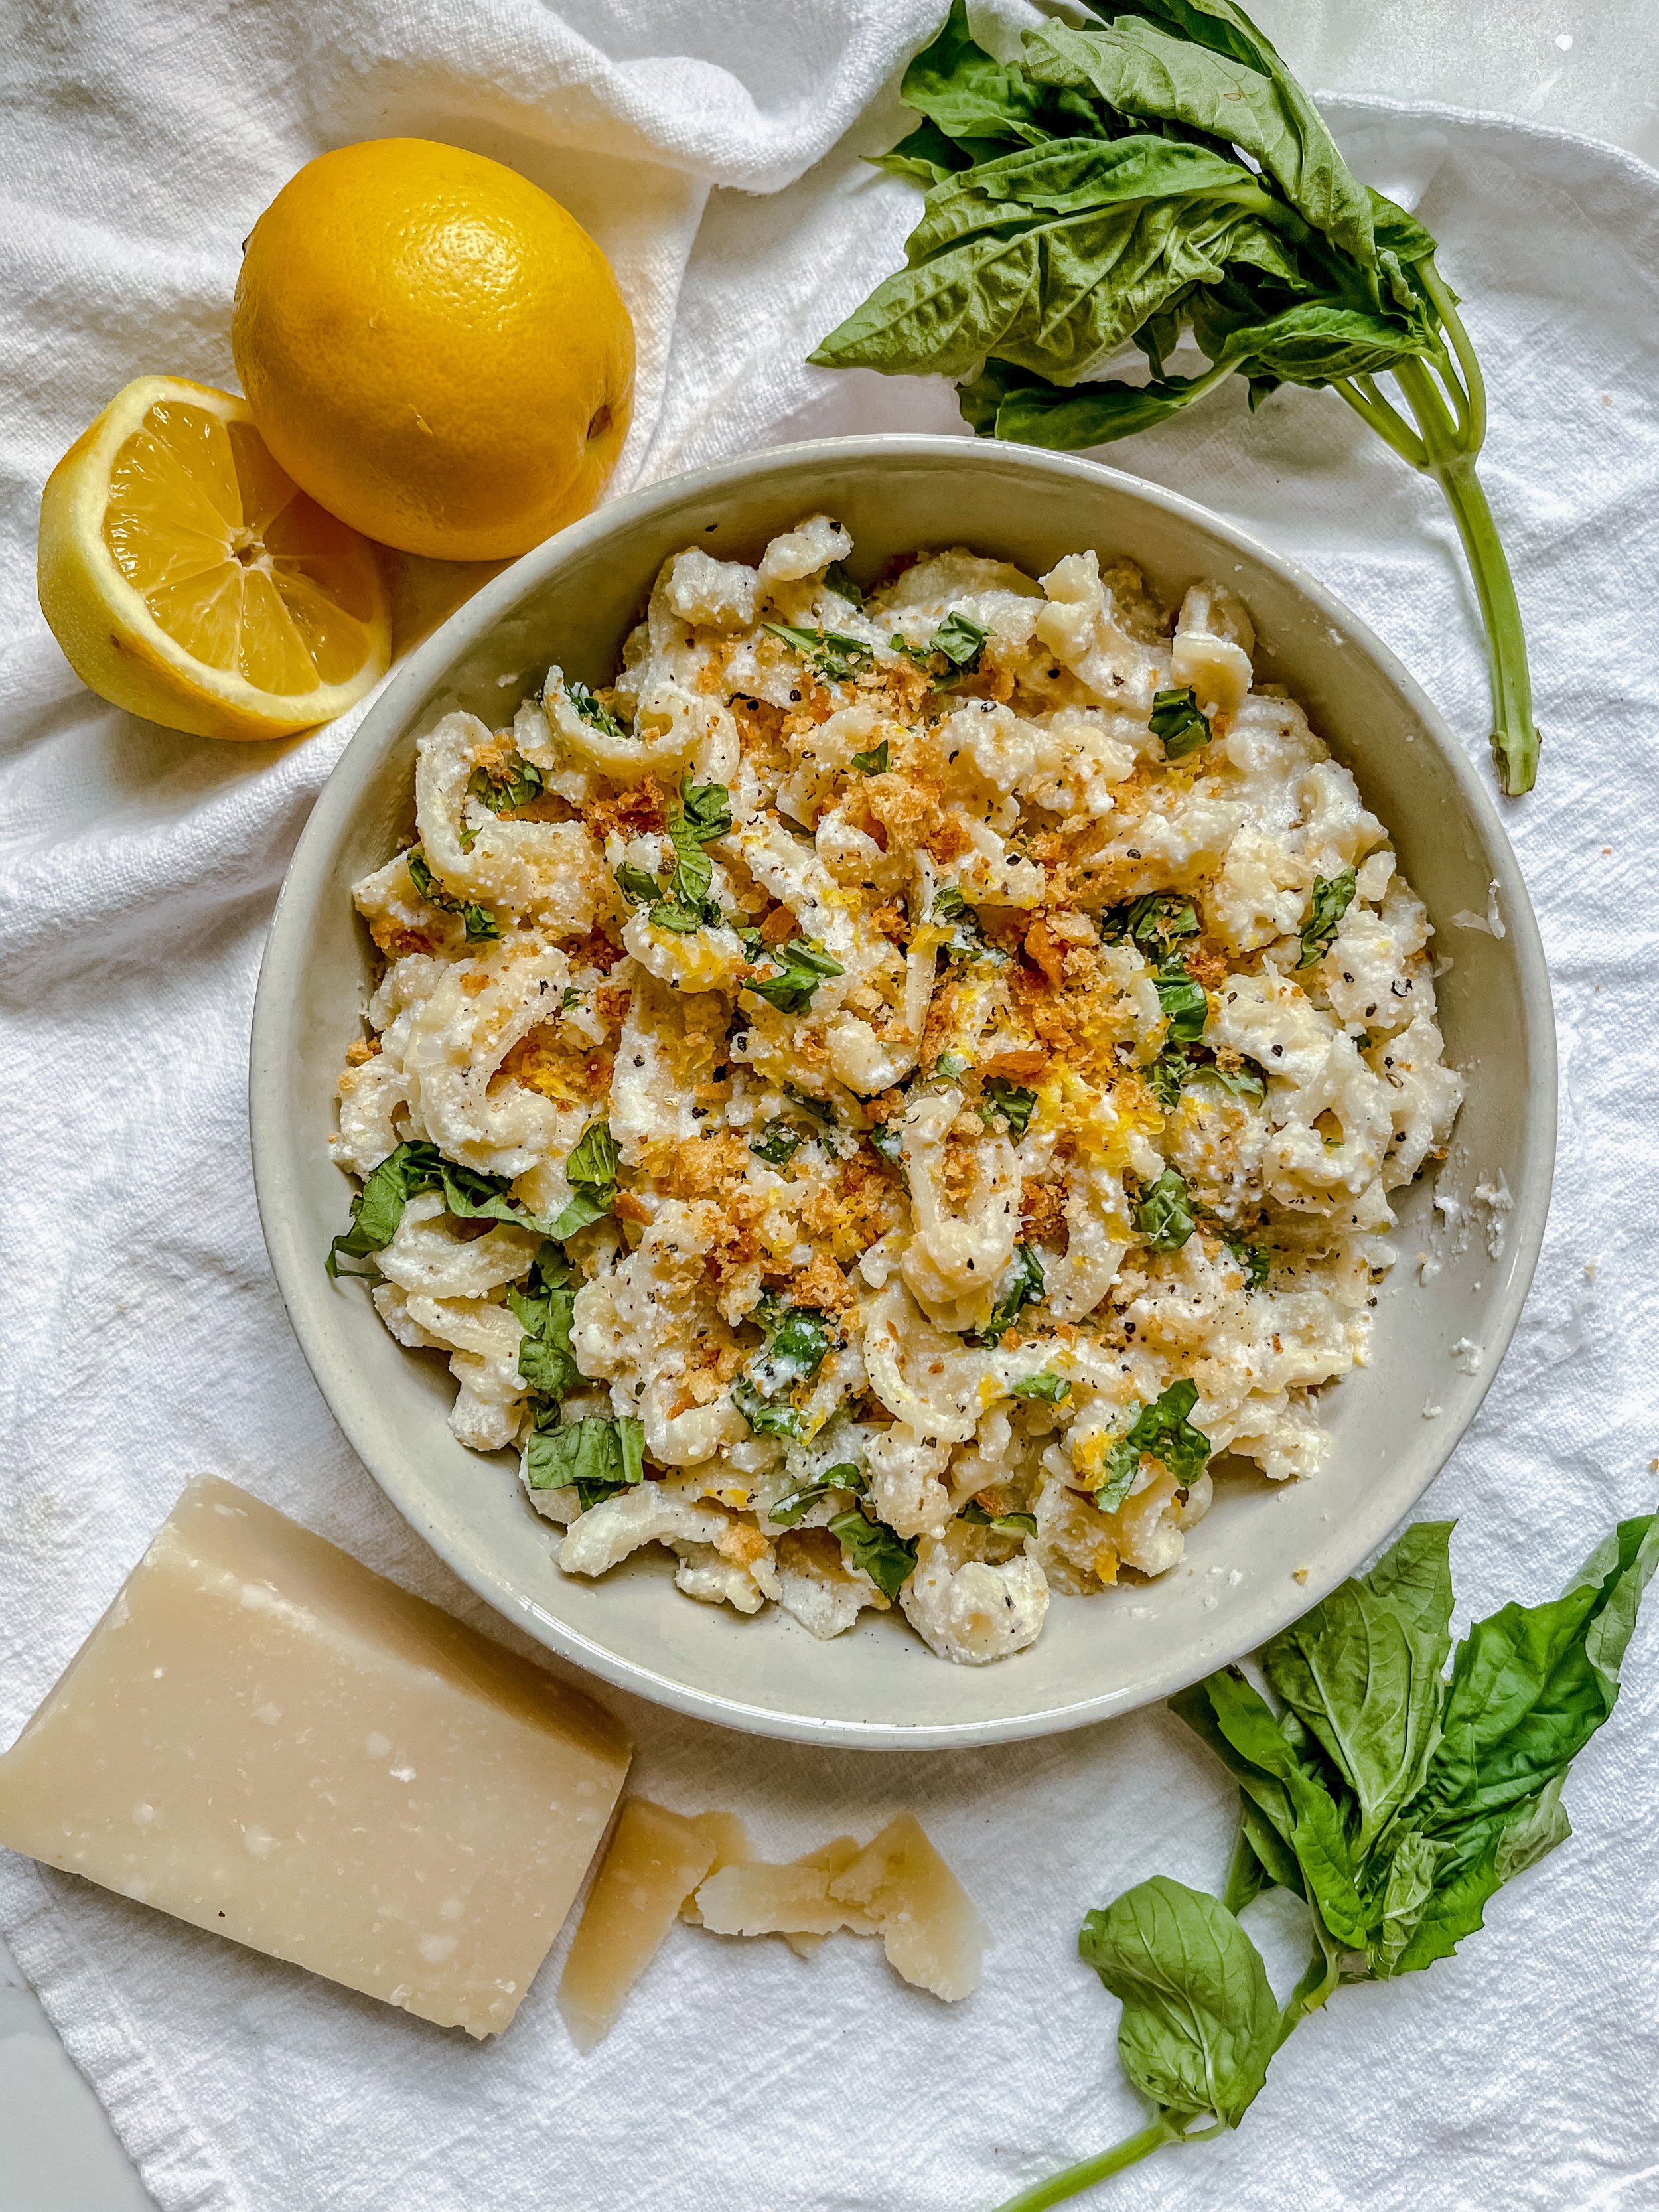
x: 189, y: 580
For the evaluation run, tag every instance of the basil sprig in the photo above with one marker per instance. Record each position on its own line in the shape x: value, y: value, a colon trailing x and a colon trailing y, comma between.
x: 1393, y: 1799
x: 1158, y: 174
x: 1160, y: 1431
x: 479, y: 923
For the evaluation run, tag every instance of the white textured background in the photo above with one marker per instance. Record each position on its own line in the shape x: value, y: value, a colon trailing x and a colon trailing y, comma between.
x: 144, y: 1339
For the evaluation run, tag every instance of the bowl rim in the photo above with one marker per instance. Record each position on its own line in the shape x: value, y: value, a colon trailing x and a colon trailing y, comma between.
x: 281, y: 983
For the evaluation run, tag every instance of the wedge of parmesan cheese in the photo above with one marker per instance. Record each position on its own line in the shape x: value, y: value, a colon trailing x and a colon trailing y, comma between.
x: 262, y: 1737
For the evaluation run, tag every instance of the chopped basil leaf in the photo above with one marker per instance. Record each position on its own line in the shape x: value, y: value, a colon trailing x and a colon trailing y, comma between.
x: 1011, y: 1101
x: 765, y: 1419
x: 596, y: 716
x: 1024, y: 1285
x: 591, y: 1171
x: 950, y: 1065
x: 705, y: 809
x: 958, y: 642
x: 1163, y: 1214
x: 569, y: 996
x: 636, y: 886
x: 1239, y: 1082
x: 1152, y: 921
x: 480, y: 923
x: 836, y: 577
x: 804, y: 965
x: 1332, y: 897
x: 777, y: 1144
x: 789, y: 1511
x: 1176, y: 720
x: 544, y: 1308
x: 1186, y: 1003
x: 414, y: 1167
x: 1167, y: 1075
x: 1049, y: 1389
x: 887, y: 1560
x: 1160, y: 1431
x: 798, y: 1337
x: 949, y: 904
x: 519, y: 783
x: 1256, y: 1259
x: 600, y: 1457
x: 1005, y: 1525
x: 888, y: 1140
x: 819, y: 1109
x: 835, y: 656
x: 876, y: 761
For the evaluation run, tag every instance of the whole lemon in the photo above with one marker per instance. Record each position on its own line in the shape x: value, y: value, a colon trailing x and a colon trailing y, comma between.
x: 433, y: 349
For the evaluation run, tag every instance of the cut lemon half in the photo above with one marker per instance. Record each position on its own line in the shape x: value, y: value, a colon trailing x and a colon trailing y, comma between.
x: 189, y: 580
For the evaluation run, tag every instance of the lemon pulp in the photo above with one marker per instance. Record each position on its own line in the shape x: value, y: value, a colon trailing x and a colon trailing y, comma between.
x: 231, y: 558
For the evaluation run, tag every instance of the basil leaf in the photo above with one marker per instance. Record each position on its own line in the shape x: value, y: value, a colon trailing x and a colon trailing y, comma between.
x: 1006, y: 401
x: 965, y: 93
x: 949, y: 904
x: 836, y: 577
x: 1255, y: 104
x: 1050, y: 1390
x: 1163, y: 1214
x: 835, y: 656
x: 1049, y: 258
x: 950, y: 1065
x: 1531, y: 1684
x: 1332, y: 897
x: 579, y: 1212
x: 596, y: 717
x: 1177, y: 722
x: 798, y: 1338
x: 1200, y: 2021
x: 704, y: 812
x: 1362, y: 1672
x: 789, y: 1511
x: 1242, y: 1727
x: 480, y: 924
x: 1022, y: 1286
x: 1238, y: 1082
x: 1005, y: 1525
x: 777, y: 1144
x: 1014, y: 1102
x: 803, y: 965
x: 887, y: 1559
x: 876, y: 761
x: 599, y: 1456
x: 545, y: 1308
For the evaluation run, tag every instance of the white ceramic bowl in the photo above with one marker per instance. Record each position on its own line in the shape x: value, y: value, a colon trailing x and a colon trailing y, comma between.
x: 572, y: 600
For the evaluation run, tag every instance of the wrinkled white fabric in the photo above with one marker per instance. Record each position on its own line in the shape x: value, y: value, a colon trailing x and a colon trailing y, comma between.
x: 713, y: 150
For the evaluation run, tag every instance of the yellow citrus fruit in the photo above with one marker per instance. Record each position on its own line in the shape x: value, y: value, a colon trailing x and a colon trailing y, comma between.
x: 188, y: 579
x: 433, y: 349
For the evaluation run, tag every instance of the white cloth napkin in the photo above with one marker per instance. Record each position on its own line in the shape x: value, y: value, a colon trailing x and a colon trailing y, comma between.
x: 143, y: 1337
